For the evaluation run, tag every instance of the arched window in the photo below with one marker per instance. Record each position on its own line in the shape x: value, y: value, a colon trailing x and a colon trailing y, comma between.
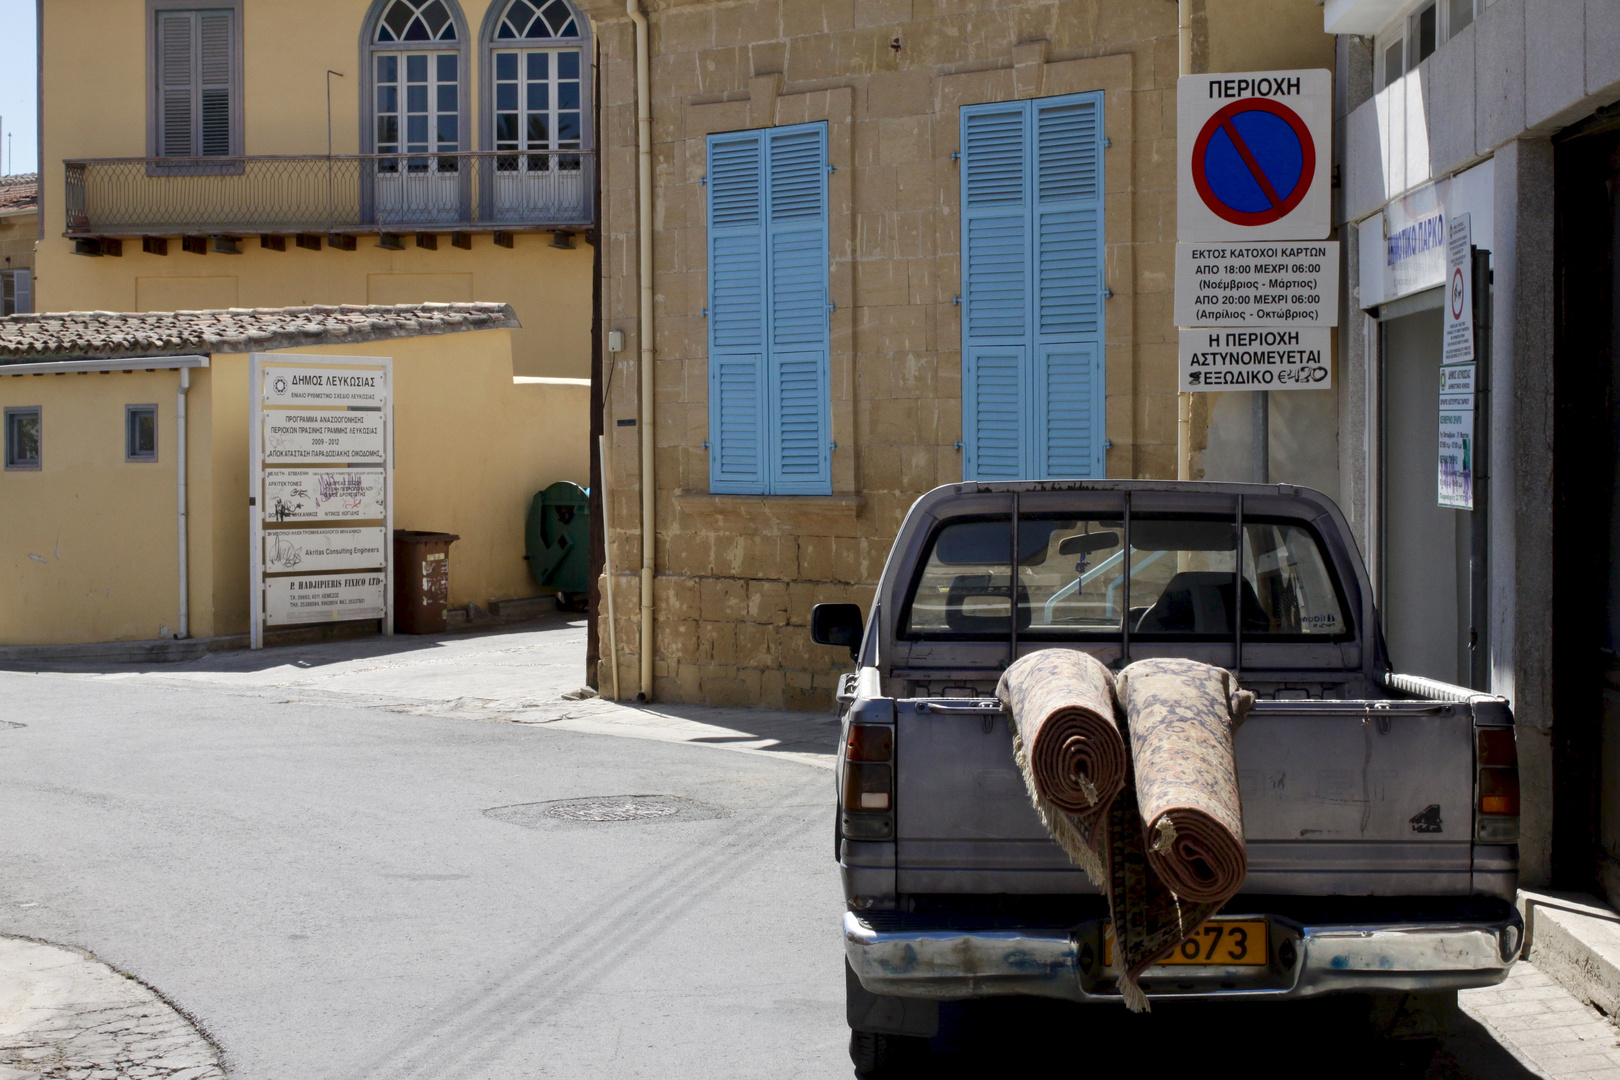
x: 415, y: 86
x: 537, y: 82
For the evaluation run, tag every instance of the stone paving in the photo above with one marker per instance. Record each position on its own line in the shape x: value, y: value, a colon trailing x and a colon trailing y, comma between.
x: 66, y: 1016
x: 1550, y: 1030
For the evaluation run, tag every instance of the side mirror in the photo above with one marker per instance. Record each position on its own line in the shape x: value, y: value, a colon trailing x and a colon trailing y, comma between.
x: 1086, y: 543
x: 837, y: 624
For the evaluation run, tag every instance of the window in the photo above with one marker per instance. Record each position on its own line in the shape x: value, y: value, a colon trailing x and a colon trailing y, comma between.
x: 22, y: 439
x: 416, y: 93
x: 1033, y: 289
x: 16, y: 292
x: 1071, y: 580
x: 537, y: 97
x: 196, y: 80
x: 769, y: 335
x: 1414, y: 38
x: 140, y: 433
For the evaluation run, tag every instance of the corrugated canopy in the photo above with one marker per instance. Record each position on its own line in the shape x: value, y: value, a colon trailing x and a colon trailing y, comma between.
x: 115, y: 334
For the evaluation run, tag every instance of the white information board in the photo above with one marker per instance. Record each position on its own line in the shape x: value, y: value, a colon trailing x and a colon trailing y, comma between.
x: 321, y: 447
x: 315, y: 551
x: 1456, y: 478
x: 323, y: 494
x: 1286, y: 283
x: 1254, y: 155
x: 305, y: 599
x: 1270, y: 359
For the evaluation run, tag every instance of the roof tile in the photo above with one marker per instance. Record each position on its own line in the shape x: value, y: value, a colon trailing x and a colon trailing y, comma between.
x: 113, y: 334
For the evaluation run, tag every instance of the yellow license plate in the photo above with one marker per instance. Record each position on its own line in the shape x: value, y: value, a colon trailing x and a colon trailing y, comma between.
x: 1218, y: 943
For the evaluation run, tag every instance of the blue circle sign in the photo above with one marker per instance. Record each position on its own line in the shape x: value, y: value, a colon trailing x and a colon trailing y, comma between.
x: 1253, y: 161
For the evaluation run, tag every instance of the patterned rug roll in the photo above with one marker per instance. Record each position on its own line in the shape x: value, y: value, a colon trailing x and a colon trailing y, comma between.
x: 1181, y: 715
x: 1068, y: 745
x: 1159, y: 829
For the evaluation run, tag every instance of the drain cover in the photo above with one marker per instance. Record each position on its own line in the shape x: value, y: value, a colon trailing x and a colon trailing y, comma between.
x: 609, y: 809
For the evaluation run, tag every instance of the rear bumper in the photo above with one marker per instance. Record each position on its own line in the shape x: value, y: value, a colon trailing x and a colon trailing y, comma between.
x: 1304, y: 961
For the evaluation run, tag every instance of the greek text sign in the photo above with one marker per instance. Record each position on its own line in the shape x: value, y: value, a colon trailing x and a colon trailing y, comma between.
x: 1456, y: 477
x: 313, y: 551
x: 1253, y: 154
x: 297, y: 436
x: 323, y: 598
x: 1267, y: 284
x: 1415, y: 240
x: 365, y: 388
x: 1223, y: 359
x: 323, y: 494
x: 1457, y: 344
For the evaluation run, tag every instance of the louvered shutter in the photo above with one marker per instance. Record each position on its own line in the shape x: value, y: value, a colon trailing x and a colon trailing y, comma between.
x: 196, y: 81
x: 1068, y: 309
x: 799, y: 460
x: 176, y: 88
x: 768, y: 329
x: 995, y: 291
x: 1032, y: 320
x: 214, y: 82
x: 737, y: 289
x: 23, y: 291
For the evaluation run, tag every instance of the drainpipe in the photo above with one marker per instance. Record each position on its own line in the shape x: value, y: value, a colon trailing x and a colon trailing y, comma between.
x: 1184, y: 401
x: 644, y: 333
x: 180, y: 456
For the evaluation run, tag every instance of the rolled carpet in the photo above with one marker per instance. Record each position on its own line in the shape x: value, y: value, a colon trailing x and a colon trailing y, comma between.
x: 1181, y: 715
x: 1068, y: 745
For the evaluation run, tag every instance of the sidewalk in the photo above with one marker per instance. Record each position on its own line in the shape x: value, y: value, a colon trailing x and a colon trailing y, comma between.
x: 67, y: 1016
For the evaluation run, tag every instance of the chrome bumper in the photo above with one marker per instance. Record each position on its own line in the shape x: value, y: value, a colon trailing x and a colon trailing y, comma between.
x: 1306, y: 960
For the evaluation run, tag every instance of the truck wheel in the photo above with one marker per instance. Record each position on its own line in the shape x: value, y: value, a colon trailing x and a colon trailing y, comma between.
x: 879, y: 1056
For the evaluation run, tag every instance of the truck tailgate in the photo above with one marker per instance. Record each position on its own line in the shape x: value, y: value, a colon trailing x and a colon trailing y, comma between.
x: 1339, y: 798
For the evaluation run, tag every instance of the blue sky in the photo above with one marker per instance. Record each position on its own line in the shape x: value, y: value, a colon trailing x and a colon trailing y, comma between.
x: 17, y: 86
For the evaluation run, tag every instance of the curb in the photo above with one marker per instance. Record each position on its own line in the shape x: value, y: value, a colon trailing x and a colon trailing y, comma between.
x: 1575, y: 939
x: 177, y: 651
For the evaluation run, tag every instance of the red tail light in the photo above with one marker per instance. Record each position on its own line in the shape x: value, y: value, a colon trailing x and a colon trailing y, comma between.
x: 867, y: 798
x: 1496, y: 785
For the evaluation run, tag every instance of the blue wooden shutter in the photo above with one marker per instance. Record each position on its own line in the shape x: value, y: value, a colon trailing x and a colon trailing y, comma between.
x: 737, y: 288
x: 800, y: 462
x: 1068, y: 229
x: 995, y: 291
x: 1032, y: 287
x: 769, y: 335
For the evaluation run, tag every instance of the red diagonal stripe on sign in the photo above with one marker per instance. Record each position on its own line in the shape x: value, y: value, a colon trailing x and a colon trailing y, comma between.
x: 1249, y: 160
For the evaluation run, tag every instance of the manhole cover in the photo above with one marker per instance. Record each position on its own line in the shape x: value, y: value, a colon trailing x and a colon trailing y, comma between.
x: 609, y: 809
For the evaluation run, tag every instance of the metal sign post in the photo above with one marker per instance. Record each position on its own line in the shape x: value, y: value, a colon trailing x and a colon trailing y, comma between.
x: 320, y: 508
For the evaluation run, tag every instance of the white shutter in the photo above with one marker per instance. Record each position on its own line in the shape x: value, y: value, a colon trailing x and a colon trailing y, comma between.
x: 23, y: 285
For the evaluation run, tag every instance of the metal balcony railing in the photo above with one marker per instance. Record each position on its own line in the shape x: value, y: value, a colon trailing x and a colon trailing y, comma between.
x: 319, y: 194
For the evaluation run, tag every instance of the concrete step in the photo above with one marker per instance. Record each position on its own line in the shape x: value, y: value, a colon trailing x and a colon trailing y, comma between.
x: 1575, y: 939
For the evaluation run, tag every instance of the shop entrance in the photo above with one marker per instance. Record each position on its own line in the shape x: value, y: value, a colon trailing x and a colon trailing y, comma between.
x: 1423, y: 592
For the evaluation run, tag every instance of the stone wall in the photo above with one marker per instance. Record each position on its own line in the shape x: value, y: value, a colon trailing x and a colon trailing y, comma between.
x: 736, y: 575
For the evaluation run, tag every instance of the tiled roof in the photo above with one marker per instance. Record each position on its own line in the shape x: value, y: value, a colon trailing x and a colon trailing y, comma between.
x: 72, y: 335
x: 20, y: 192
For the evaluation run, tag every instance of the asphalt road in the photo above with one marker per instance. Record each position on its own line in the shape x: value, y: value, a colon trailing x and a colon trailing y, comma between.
x: 332, y: 859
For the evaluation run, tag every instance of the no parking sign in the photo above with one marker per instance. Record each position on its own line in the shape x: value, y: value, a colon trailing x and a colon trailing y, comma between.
x: 1253, y: 156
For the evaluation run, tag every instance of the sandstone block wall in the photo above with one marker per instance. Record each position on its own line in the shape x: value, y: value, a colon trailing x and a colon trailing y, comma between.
x: 736, y: 575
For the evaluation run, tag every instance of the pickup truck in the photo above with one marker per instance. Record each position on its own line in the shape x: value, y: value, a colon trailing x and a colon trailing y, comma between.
x: 1380, y: 810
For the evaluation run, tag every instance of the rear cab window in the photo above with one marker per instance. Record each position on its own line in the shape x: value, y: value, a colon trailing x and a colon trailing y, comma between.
x: 1072, y: 580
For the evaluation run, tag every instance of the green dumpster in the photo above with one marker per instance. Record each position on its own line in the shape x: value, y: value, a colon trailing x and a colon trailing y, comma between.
x: 558, y: 541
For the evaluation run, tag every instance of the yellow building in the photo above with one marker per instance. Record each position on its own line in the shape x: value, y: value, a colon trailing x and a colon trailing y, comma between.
x: 98, y: 477
x: 19, y: 229
x: 208, y: 154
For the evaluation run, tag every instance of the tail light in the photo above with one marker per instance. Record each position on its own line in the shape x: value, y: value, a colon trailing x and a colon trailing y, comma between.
x: 867, y: 798
x: 1496, y: 786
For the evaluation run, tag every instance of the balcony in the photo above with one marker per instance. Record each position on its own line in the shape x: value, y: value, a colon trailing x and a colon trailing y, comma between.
x: 339, y: 195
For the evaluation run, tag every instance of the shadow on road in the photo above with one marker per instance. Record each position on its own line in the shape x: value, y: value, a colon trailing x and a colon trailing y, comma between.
x: 1323, y: 1040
